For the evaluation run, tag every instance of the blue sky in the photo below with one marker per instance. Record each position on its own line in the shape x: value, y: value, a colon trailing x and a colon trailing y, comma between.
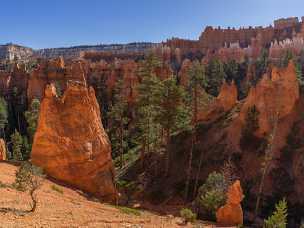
x: 56, y: 23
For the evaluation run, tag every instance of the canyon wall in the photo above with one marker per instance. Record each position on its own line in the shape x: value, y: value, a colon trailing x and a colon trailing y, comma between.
x: 229, y: 136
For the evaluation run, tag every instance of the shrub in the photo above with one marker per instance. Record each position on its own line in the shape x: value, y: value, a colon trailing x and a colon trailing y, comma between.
x: 212, y: 200
x: 29, y: 178
x: 187, y: 215
x: 3, y: 185
x: 57, y: 189
x: 23, y: 176
x: 129, y: 211
x: 212, y: 195
x: 279, y: 218
x: 17, y: 142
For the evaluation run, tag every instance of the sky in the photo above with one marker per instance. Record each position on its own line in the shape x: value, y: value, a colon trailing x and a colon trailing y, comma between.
x: 60, y: 23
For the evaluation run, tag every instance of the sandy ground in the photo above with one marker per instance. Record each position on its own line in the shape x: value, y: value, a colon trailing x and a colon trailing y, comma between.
x: 69, y: 208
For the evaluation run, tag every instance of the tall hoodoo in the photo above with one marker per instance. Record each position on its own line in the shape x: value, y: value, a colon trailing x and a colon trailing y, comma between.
x: 2, y: 150
x: 231, y: 214
x: 70, y: 143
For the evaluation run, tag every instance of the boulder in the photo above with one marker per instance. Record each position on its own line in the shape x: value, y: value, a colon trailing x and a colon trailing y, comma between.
x: 70, y: 143
x: 231, y: 214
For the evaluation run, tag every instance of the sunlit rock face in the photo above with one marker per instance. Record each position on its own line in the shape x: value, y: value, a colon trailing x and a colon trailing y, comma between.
x: 2, y: 150
x: 46, y: 72
x: 274, y: 95
x: 225, y: 101
x: 231, y: 214
x: 70, y: 143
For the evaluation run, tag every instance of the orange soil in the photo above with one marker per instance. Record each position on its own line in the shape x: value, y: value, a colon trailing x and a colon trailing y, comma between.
x: 69, y: 208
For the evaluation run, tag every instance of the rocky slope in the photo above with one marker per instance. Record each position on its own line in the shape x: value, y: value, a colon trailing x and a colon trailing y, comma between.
x: 59, y: 206
x: 229, y: 136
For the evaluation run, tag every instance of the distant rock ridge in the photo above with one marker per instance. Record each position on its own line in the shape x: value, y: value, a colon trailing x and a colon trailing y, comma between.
x: 211, y: 39
x: 13, y: 51
x: 114, y: 49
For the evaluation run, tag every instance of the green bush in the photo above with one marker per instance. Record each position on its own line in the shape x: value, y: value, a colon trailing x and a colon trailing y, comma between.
x: 23, y: 176
x: 129, y: 211
x: 211, y: 195
x: 188, y: 215
x: 213, y: 199
x: 279, y: 217
x: 57, y: 189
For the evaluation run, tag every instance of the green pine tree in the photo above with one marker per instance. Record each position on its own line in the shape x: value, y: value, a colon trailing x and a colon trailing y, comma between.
x: 215, y: 76
x: 232, y: 70
x: 197, y: 83
x: 261, y: 66
x: 17, y: 142
x: 3, y: 116
x: 170, y: 111
x: 145, y: 106
x: 279, y: 218
x: 287, y: 56
x: 31, y: 117
x: 118, y: 119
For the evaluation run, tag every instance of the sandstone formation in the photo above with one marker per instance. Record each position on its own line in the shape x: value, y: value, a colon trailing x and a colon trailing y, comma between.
x: 18, y: 79
x: 2, y: 150
x: 183, y: 46
x: 15, y: 52
x: 279, y: 49
x: 286, y: 23
x: 274, y: 95
x: 225, y: 101
x: 70, y: 143
x: 77, y: 51
x: 231, y: 214
x: 221, y: 137
x: 214, y: 38
x: 46, y: 72
x: 211, y: 39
